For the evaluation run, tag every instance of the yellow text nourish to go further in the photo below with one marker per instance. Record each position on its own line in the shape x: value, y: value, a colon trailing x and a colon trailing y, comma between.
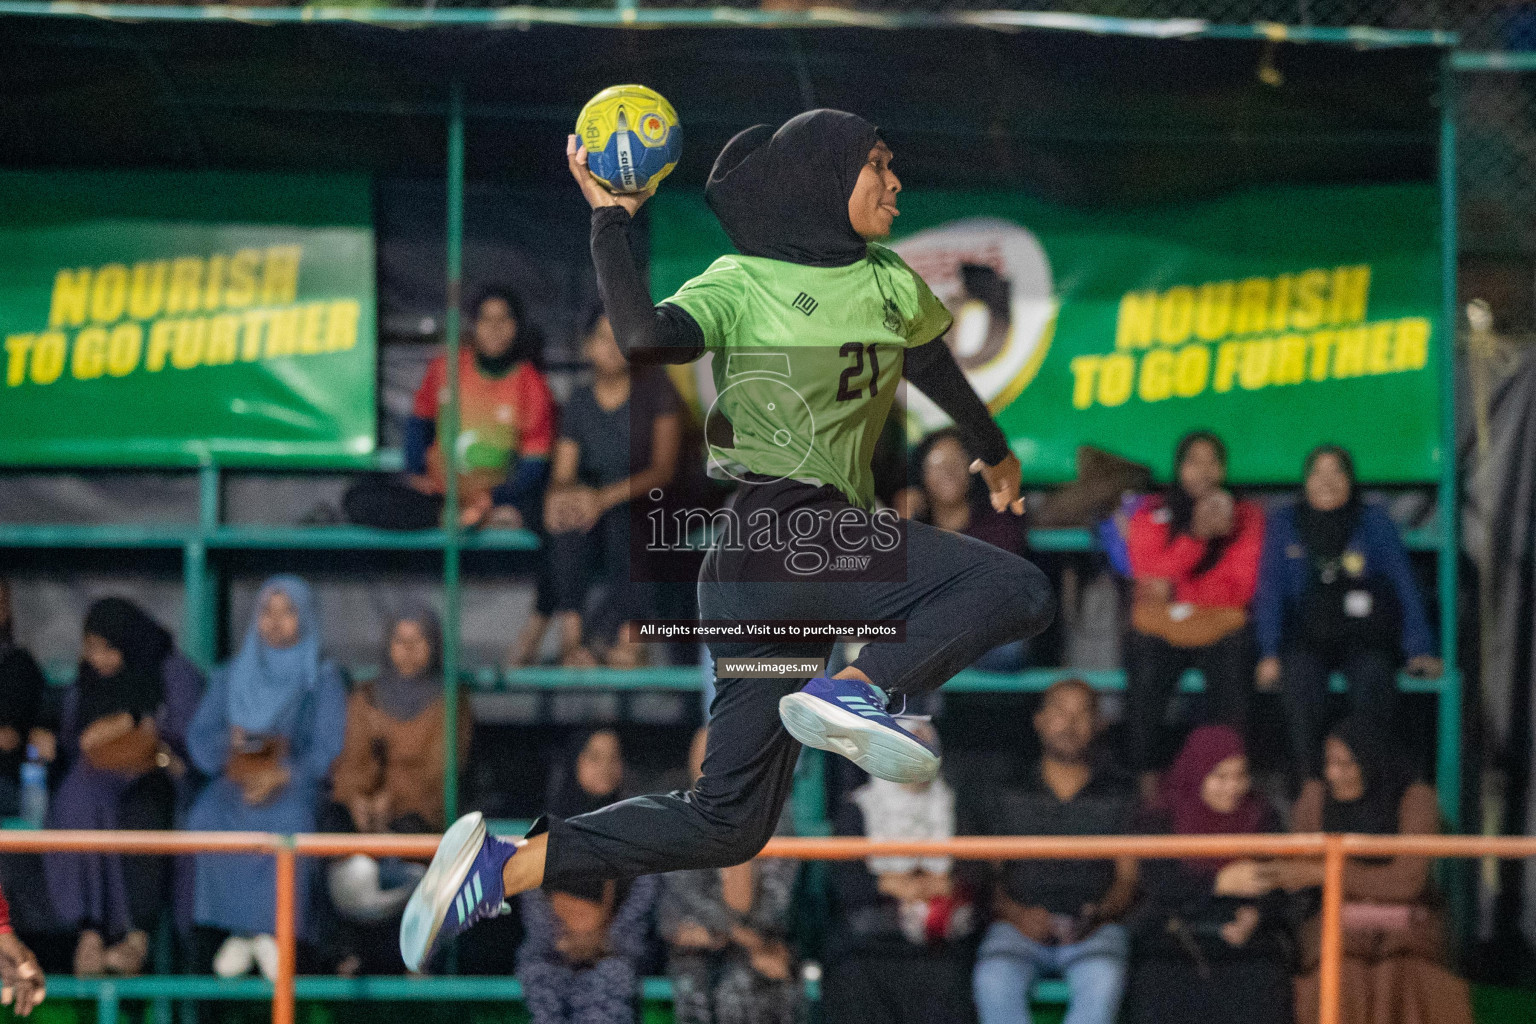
x: 171, y: 287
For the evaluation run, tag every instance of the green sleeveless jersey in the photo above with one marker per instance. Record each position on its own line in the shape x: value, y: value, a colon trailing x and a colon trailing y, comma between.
x: 806, y: 362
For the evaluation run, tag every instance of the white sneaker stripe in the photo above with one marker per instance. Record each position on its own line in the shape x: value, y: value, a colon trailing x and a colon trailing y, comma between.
x: 479, y: 892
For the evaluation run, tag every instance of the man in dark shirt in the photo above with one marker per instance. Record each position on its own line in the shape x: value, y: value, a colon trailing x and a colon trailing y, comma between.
x: 1059, y: 916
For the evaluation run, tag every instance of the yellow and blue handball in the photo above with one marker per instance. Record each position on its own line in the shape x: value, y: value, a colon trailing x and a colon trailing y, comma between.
x: 632, y: 137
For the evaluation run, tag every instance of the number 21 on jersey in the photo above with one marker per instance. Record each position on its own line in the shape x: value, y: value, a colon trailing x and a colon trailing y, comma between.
x: 848, y: 388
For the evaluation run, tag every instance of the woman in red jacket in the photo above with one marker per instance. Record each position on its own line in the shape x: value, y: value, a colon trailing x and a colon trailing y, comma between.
x: 1195, y: 559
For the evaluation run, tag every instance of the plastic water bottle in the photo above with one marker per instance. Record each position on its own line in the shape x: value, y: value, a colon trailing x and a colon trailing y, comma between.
x: 34, y: 789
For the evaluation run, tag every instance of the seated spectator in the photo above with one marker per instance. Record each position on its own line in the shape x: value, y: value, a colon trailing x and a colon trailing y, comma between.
x: 1195, y: 560
x: 1394, y: 969
x: 897, y: 952
x: 953, y: 498
x: 1209, y: 941
x: 22, y: 686
x: 389, y: 778
x: 266, y: 732
x: 726, y: 936
x: 579, y: 960
x: 506, y: 427
x: 619, y: 440
x: 124, y: 733
x: 1059, y: 916
x: 1336, y: 593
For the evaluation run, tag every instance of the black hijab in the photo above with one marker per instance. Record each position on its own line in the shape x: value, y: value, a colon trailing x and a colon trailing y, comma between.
x: 1385, y: 771
x: 1325, y: 534
x: 139, y: 686
x: 1181, y: 507
x: 783, y: 195
x: 527, y: 345
x: 567, y: 799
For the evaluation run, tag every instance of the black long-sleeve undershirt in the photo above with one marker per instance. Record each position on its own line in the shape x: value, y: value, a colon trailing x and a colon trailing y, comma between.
x: 646, y: 333
x: 664, y: 333
x: 932, y: 369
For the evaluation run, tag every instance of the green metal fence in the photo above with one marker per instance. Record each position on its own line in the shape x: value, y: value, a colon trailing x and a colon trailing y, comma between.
x: 1496, y: 175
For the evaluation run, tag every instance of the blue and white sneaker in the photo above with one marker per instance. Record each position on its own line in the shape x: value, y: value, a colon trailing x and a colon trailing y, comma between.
x: 848, y: 717
x: 462, y: 886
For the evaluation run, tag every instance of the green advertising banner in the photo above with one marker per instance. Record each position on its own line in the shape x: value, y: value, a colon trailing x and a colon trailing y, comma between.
x: 174, y: 318
x: 1279, y: 317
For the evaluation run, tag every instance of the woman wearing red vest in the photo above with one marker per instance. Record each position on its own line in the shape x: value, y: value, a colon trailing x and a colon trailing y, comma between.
x: 1195, y: 559
x: 506, y: 431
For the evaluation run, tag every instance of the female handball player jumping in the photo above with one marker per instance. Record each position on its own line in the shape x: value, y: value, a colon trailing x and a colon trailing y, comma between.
x: 811, y: 324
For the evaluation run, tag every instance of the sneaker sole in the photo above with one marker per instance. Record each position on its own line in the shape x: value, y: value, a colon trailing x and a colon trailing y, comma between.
x: 429, y: 904
x: 879, y: 750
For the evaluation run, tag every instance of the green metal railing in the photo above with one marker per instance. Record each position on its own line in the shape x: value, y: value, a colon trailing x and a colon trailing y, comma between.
x: 626, y: 14
x: 198, y: 543
x: 452, y: 541
x: 1448, y: 722
x: 110, y: 993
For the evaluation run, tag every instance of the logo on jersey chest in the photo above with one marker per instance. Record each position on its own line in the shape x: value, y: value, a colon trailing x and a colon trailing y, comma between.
x: 805, y: 304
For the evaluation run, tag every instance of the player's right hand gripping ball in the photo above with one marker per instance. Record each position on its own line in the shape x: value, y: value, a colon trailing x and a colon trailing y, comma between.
x: 632, y: 137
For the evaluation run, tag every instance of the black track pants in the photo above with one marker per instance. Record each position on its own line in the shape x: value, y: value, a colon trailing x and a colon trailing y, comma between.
x: 959, y: 598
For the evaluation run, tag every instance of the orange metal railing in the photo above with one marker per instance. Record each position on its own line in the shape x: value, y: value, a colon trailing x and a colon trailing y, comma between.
x: 1334, y: 850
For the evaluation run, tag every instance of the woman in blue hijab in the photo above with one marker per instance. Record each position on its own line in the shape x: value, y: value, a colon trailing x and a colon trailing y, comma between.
x: 266, y: 732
